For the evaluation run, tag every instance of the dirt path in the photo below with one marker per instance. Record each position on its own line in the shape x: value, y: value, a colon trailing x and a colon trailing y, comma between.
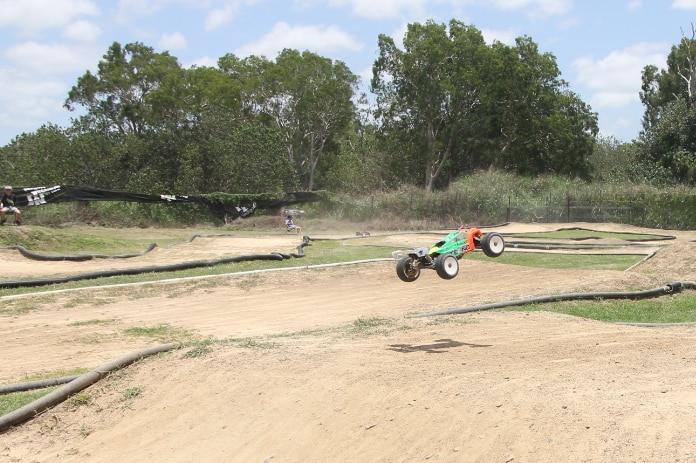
x: 346, y: 375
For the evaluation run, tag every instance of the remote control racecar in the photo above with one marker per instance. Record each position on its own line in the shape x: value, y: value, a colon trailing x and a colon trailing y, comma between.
x: 443, y: 256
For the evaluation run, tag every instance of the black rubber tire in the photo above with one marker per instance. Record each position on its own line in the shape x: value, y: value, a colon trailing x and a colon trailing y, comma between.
x: 492, y: 244
x: 446, y: 266
x: 407, y: 269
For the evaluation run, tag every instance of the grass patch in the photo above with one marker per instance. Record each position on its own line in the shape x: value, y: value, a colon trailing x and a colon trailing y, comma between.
x: 322, y: 252
x: 90, y: 299
x: 95, y: 322
x: 371, y: 326
x: 197, y: 351
x: 248, y: 282
x: 563, y: 261
x: 86, y: 430
x: 161, y: 332
x: 17, y: 307
x: 94, y: 338
x: 80, y: 399
x: 582, y: 234
x: 250, y: 343
x: 296, y: 334
x: 366, y: 323
x: 53, y: 374
x: 435, y: 321
x: 131, y: 393
x: 94, y: 240
x: 679, y: 308
x: 87, y: 241
x: 319, y: 252
x: 15, y: 400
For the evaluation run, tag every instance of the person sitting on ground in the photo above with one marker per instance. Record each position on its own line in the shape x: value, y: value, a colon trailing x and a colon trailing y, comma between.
x: 7, y: 204
x: 291, y: 225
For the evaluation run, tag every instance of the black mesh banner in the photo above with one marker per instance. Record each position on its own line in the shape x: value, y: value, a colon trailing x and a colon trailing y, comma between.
x: 222, y: 205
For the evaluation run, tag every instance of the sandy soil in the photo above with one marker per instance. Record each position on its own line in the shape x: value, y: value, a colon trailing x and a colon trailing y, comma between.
x: 328, y: 364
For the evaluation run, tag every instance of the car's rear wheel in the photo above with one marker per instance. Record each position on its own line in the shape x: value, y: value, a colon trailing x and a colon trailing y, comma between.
x: 407, y: 269
x: 492, y: 244
x: 446, y: 266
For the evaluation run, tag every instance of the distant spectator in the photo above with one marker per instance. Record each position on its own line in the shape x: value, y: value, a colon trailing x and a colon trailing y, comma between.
x: 292, y: 226
x: 8, y: 206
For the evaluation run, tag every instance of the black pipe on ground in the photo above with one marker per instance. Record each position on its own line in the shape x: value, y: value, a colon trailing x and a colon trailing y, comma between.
x: 75, y: 258
x: 39, y: 384
x: 661, y: 291
x: 53, y: 398
x: 154, y: 269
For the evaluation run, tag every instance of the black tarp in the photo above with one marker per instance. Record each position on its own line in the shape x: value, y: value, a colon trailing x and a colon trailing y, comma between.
x: 221, y: 205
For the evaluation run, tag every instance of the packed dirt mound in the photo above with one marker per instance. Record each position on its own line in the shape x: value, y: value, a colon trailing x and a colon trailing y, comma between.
x: 673, y: 261
x: 326, y: 364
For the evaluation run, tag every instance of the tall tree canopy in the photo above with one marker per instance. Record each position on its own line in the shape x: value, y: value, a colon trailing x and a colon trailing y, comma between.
x: 431, y: 89
x: 463, y: 104
x: 134, y: 89
x: 446, y: 103
x: 309, y: 98
x: 669, y: 122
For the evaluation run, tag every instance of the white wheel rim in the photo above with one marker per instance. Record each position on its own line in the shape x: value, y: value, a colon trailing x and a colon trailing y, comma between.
x: 450, y: 265
x: 497, y: 244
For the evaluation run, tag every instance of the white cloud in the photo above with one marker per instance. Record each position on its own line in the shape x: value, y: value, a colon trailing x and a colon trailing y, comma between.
x: 172, y: 42
x: 127, y: 10
x: 615, y: 99
x: 384, y: 9
x: 503, y: 36
x: 616, y: 78
x: 84, y: 31
x: 51, y: 58
x: 18, y: 91
x: 400, y: 34
x: 684, y: 4
x: 202, y: 61
x: 365, y: 75
x: 543, y: 8
x: 534, y: 9
x: 635, y: 4
x: 33, y: 16
x: 320, y: 39
x: 28, y: 100
x: 220, y: 16
x: 624, y: 124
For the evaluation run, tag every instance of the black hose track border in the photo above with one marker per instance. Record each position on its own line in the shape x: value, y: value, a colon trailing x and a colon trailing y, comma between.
x: 670, y: 288
x: 76, y: 258
x: 39, y: 384
x: 53, y: 398
x: 84, y: 257
x: 658, y: 237
x: 277, y: 256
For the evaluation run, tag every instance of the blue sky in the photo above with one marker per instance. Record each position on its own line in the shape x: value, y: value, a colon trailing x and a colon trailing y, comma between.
x: 601, y: 47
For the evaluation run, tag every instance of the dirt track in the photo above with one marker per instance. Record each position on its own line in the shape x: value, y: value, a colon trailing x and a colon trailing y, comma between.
x: 490, y: 386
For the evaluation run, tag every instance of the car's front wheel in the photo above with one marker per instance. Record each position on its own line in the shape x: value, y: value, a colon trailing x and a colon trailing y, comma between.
x: 407, y: 269
x: 447, y: 266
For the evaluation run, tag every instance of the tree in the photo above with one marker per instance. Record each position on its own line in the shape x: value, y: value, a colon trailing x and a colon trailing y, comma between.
x: 358, y: 165
x: 134, y: 90
x: 669, y: 121
x: 306, y: 96
x: 618, y: 162
x: 537, y: 125
x: 474, y: 106
x: 242, y: 158
x: 661, y: 87
x: 432, y: 87
x: 670, y: 144
x: 37, y: 158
